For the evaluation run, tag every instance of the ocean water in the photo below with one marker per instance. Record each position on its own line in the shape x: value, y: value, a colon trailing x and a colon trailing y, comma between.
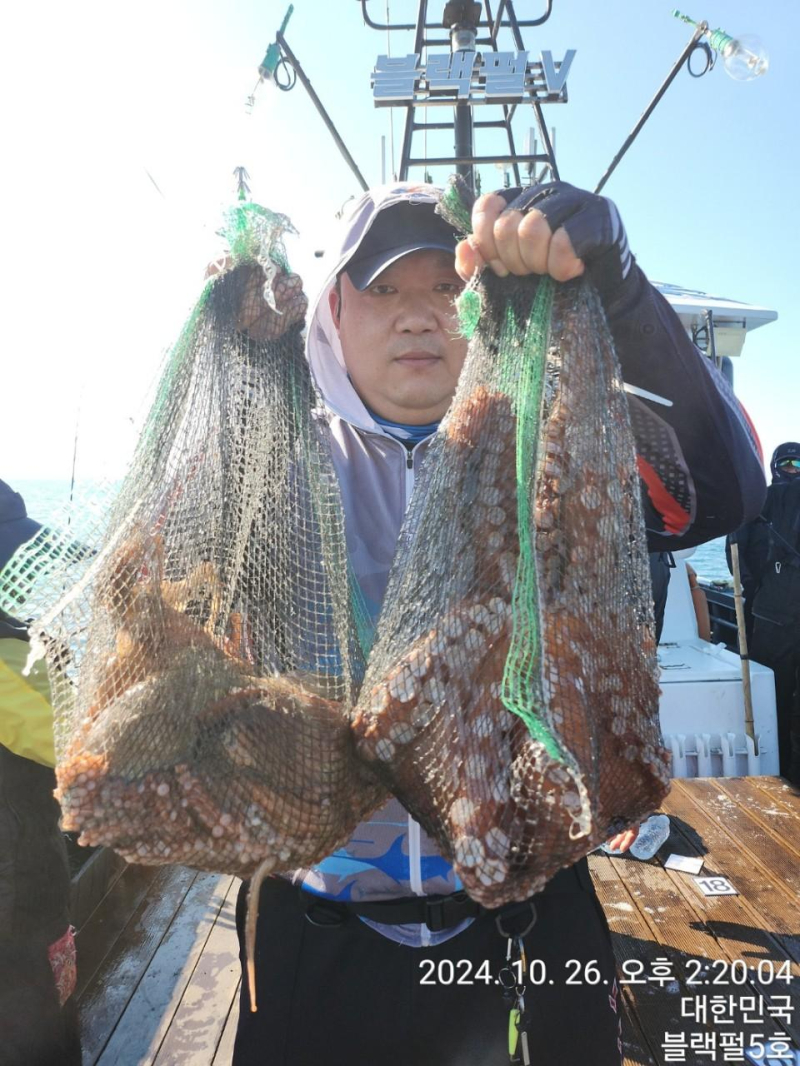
x: 47, y: 502
x: 75, y: 510
x: 709, y: 561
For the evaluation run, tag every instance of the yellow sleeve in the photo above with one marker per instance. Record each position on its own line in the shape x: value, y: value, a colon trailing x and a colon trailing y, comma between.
x: 26, y: 717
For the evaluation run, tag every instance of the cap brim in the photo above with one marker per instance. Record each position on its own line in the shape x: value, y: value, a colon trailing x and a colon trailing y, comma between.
x: 363, y: 273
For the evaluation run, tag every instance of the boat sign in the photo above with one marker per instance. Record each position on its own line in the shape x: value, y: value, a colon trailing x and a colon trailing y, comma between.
x: 469, y: 77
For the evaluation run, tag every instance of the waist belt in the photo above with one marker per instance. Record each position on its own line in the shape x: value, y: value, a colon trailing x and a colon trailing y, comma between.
x: 437, y: 912
x: 444, y: 912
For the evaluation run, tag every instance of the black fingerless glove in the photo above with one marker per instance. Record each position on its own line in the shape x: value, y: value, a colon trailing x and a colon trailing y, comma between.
x: 595, y: 230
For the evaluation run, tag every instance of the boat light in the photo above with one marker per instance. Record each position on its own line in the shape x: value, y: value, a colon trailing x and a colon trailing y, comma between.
x: 744, y: 57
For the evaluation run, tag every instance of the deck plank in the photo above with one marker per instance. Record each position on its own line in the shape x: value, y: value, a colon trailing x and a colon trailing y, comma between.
x: 775, y: 904
x: 763, y: 846
x: 158, y: 993
x: 690, y: 925
x: 93, y: 882
x: 636, y: 1051
x: 199, y: 1021
x: 737, y: 927
x: 634, y: 940
x: 781, y: 791
x: 781, y: 820
x: 107, y: 995
x: 174, y: 1001
x: 97, y: 937
x: 223, y: 1054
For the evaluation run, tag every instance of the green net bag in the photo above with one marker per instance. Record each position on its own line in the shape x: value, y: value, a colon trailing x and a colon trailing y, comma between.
x: 205, y: 665
x: 511, y: 700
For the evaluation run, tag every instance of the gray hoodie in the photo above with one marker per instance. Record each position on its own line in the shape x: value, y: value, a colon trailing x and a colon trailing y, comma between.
x: 701, y: 477
x: 390, y: 855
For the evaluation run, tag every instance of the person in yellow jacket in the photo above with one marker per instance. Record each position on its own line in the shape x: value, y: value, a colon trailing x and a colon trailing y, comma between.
x: 38, y: 1016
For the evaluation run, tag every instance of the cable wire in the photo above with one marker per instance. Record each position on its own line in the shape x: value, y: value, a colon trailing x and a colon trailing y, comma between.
x: 391, y: 109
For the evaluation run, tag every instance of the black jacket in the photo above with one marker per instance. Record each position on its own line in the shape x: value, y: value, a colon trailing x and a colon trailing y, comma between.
x: 34, y: 872
x: 697, y: 455
x: 769, y: 556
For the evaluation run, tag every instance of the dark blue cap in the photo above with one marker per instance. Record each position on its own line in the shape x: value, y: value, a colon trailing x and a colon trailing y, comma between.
x: 398, y: 230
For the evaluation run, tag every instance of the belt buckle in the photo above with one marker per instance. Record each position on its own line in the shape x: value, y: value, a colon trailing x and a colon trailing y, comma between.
x: 325, y: 913
x: 435, y: 913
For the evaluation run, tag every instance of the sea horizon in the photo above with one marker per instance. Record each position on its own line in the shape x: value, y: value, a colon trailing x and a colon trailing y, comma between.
x: 47, y: 501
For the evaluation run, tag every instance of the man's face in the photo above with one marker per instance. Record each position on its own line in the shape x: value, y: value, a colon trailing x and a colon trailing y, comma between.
x: 400, y: 338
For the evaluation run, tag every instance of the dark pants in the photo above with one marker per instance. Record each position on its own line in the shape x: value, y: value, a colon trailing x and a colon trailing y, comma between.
x: 660, y: 572
x: 344, y: 995
x: 34, y: 1030
x: 778, y: 647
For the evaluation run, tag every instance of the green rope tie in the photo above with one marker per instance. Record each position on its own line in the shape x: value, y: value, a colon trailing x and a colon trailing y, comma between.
x: 254, y: 233
x: 522, y: 376
x: 453, y: 209
x: 718, y: 39
x: 469, y: 308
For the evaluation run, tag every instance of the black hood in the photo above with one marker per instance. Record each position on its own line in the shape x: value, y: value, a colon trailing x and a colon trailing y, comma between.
x: 788, y: 450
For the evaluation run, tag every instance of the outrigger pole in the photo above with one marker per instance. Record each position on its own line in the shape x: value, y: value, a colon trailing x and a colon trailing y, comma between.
x: 702, y: 28
x: 744, y: 59
x: 279, y: 53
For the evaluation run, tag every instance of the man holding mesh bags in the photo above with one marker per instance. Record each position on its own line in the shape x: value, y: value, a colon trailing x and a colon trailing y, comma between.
x: 353, y: 953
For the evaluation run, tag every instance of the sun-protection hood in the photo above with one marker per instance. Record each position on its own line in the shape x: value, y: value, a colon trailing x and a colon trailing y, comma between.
x: 322, y: 340
x: 788, y: 450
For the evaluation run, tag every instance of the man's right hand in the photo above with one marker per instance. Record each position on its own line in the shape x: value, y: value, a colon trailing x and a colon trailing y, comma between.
x: 256, y: 318
x: 553, y: 229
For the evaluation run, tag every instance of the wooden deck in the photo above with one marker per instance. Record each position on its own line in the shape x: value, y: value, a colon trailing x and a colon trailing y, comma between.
x: 158, y: 972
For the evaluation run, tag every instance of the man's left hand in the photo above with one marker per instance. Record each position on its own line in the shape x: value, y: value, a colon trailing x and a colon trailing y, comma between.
x: 553, y: 229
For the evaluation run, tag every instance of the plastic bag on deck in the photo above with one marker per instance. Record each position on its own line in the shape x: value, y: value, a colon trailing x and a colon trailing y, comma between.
x: 511, y: 700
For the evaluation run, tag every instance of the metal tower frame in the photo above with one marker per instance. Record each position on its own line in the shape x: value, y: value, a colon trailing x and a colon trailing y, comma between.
x: 463, y: 124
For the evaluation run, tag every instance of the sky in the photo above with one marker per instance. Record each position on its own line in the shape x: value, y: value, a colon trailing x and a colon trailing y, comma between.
x: 124, y: 123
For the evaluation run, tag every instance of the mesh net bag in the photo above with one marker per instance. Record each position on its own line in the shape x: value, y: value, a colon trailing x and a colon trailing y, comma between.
x: 205, y: 664
x: 511, y: 701
x: 214, y: 703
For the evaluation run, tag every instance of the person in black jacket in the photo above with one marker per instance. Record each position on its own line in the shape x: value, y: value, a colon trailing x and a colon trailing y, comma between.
x: 38, y: 1015
x: 769, y: 560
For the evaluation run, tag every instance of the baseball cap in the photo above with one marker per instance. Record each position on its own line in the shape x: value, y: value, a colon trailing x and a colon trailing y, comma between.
x: 790, y: 449
x: 16, y: 528
x: 406, y: 226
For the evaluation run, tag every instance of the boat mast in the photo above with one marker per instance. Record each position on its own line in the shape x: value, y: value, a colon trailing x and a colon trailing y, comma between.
x: 469, y: 25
